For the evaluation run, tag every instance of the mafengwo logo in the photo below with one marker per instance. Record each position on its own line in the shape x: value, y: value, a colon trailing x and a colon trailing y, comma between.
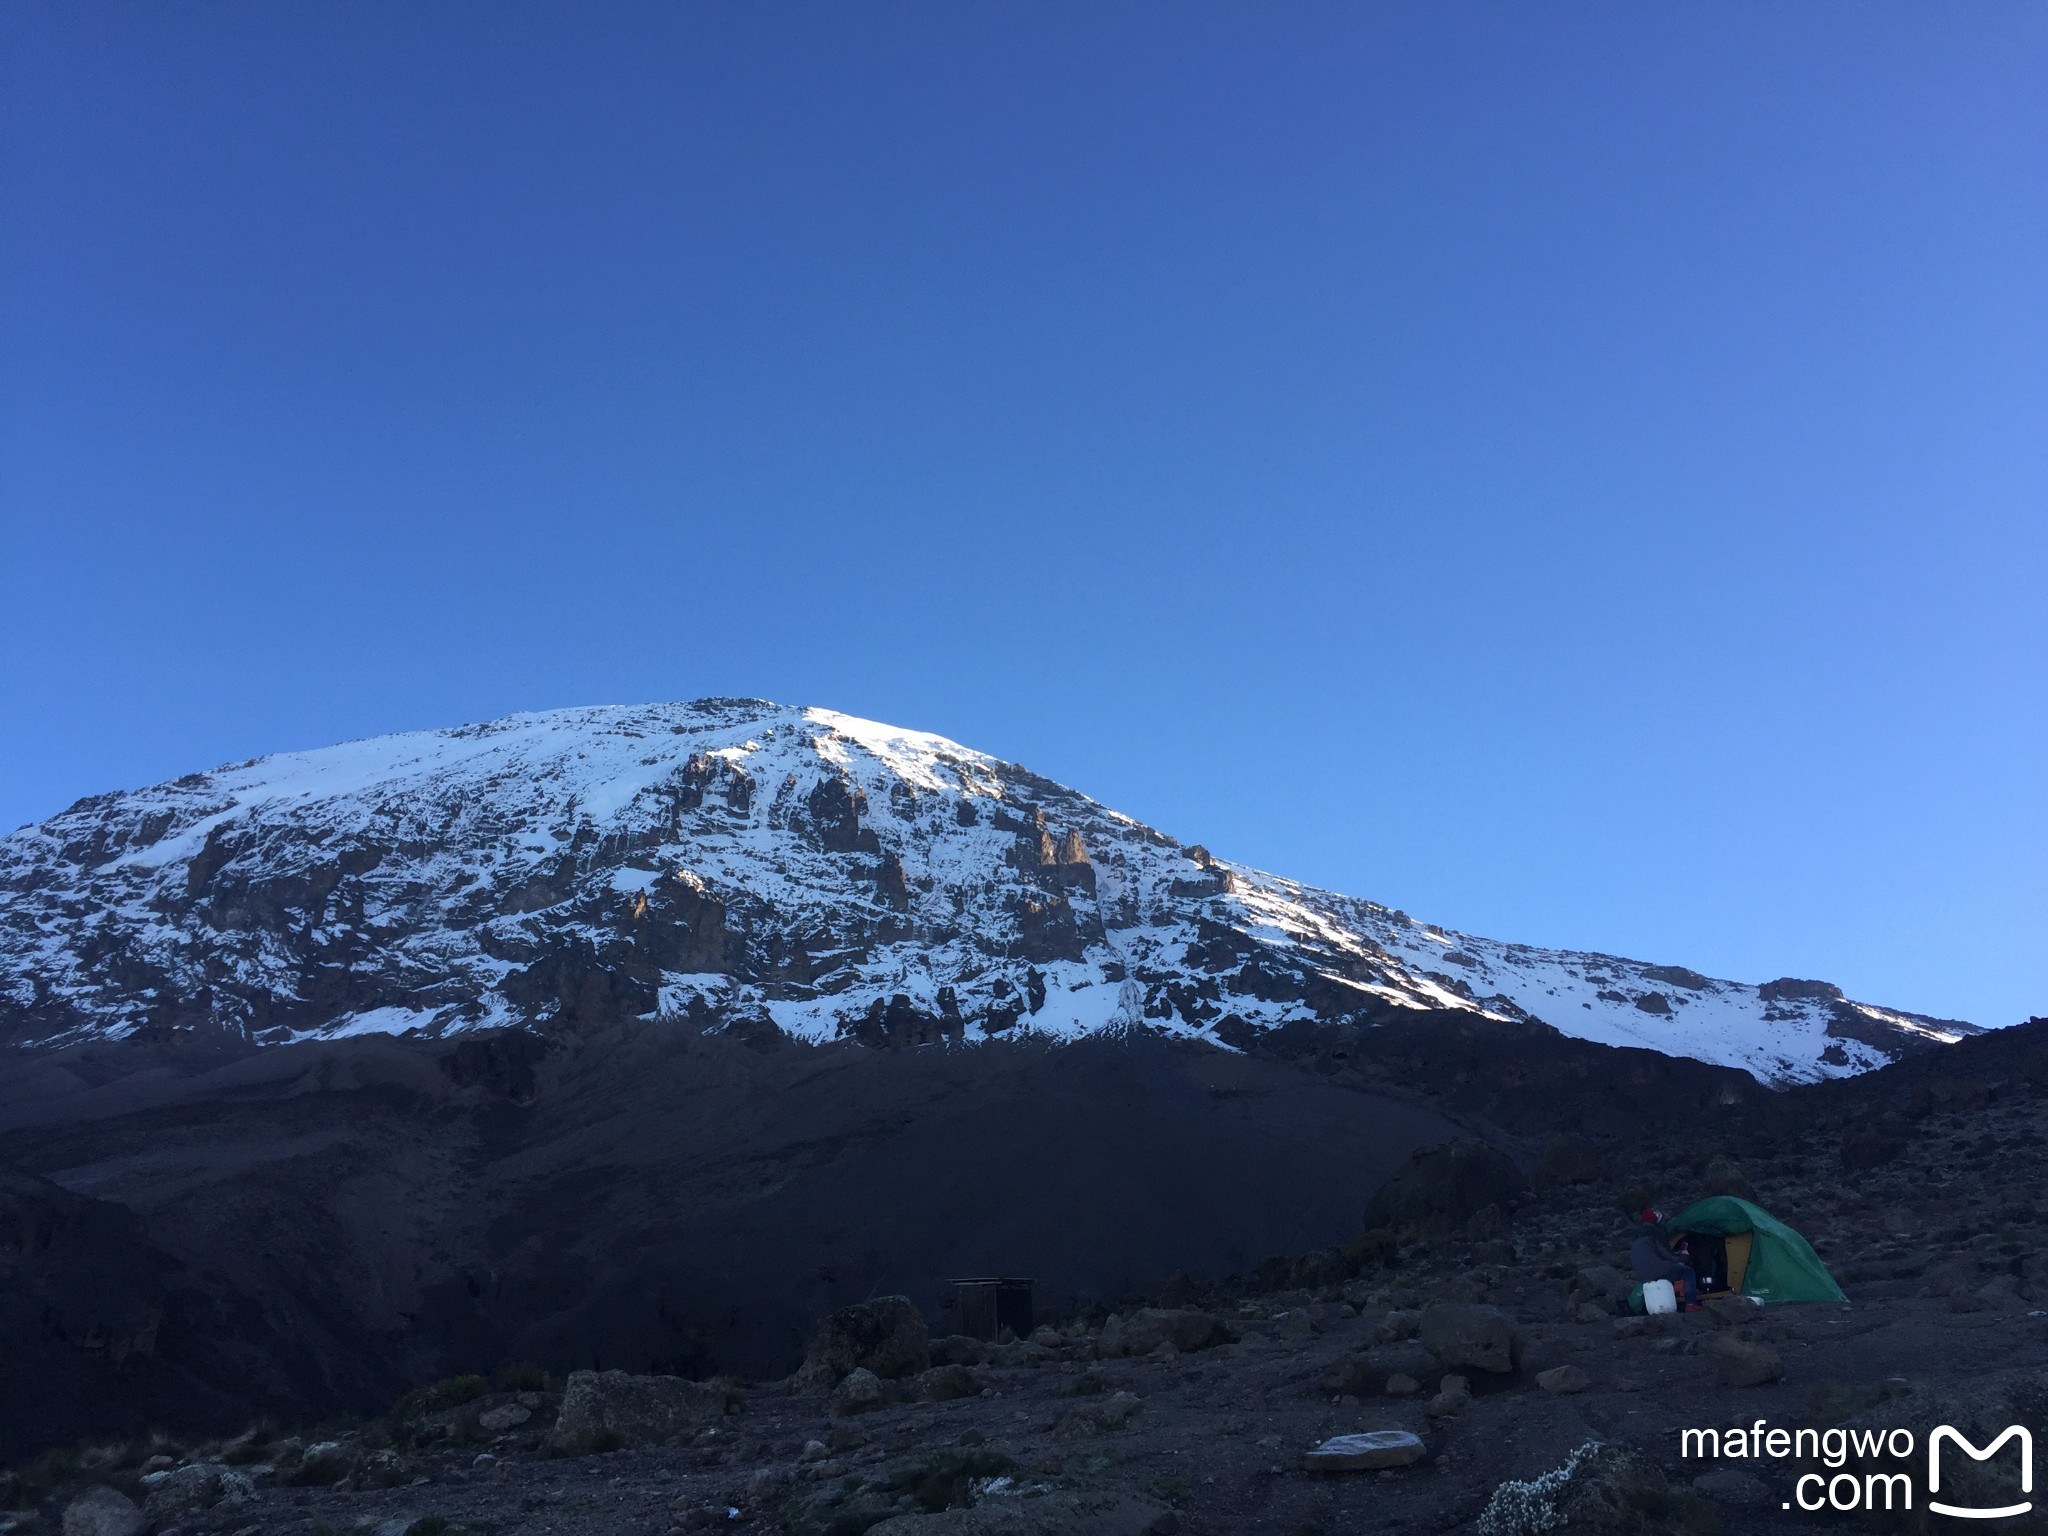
x: 1881, y: 1479
x: 1946, y: 1434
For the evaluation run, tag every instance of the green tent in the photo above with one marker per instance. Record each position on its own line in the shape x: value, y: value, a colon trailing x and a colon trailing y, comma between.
x: 1765, y: 1258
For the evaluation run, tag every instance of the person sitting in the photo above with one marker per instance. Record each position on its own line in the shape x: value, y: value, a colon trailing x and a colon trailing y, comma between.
x: 1651, y: 1258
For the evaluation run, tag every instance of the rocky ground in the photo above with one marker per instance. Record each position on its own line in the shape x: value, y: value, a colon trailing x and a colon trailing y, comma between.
x: 1496, y: 1336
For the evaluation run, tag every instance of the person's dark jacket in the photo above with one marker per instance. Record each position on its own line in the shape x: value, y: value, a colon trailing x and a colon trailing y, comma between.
x: 1650, y: 1255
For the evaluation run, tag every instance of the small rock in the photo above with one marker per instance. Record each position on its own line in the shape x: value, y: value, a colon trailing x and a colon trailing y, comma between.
x: 1046, y: 1336
x: 1120, y: 1408
x: 1742, y: 1363
x: 1400, y: 1385
x: 1366, y: 1452
x: 1591, y: 1312
x: 1733, y: 1309
x: 103, y: 1512
x: 814, y: 1450
x: 495, y: 1421
x: 383, y: 1469
x: 1112, y: 1413
x: 1467, y: 1334
x: 1453, y: 1393
x: 1297, y: 1326
x: 767, y: 1482
x: 1560, y: 1380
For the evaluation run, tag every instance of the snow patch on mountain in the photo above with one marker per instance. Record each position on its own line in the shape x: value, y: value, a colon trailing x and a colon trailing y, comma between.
x: 733, y: 860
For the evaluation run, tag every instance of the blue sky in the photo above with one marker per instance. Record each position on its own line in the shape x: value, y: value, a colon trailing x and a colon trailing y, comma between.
x: 1575, y: 472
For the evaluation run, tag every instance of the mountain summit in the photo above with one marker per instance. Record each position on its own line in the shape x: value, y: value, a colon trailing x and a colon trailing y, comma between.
x: 778, y: 871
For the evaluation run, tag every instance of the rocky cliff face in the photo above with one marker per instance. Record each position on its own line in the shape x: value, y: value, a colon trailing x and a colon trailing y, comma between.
x: 782, y: 872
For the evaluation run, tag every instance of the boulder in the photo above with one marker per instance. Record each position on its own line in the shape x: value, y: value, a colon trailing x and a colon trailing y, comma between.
x: 943, y: 1383
x: 1185, y: 1329
x: 193, y: 1488
x: 104, y: 1512
x: 887, y: 1336
x: 1110, y: 1343
x: 861, y: 1391
x: 495, y: 1421
x: 1441, y: 1188
x: 1560, y: 1380
x: 959, y: 1349
x: 322, y: 1464
x: 1741, y: 1363
x: 606, y: 1410
x: 1470, y: 1334
x: 1367, y: 1452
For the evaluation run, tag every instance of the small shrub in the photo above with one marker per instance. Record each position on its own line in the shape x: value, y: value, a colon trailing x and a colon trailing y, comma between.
x: 1600, y: 1487
x: 522, y: 1376
x: 438, y: 1396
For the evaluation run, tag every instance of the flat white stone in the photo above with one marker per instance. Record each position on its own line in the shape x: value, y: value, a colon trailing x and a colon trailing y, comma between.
x: 1365, y: 1452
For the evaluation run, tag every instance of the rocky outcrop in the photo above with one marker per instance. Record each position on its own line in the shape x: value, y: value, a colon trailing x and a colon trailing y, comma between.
x: 610, y: 1410
x: 887, y: 1336
x: 1443, y: 1187
x: 836, y: 807
x: 1149, y: 1328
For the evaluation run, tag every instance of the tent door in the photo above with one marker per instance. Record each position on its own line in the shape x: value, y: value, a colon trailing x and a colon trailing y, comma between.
x: 1738, y: 1244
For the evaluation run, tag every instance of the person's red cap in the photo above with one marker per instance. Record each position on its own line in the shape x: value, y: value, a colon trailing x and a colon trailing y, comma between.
x: 1651, y: 1213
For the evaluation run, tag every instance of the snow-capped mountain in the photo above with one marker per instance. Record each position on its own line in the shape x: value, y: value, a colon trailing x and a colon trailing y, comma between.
x: 744, y: 863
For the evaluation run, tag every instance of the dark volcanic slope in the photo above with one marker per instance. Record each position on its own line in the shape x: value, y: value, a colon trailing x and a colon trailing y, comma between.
x: 346, y: 1218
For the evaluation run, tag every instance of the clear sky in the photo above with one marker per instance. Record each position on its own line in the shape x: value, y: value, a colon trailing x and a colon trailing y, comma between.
x: 1577, y: 472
